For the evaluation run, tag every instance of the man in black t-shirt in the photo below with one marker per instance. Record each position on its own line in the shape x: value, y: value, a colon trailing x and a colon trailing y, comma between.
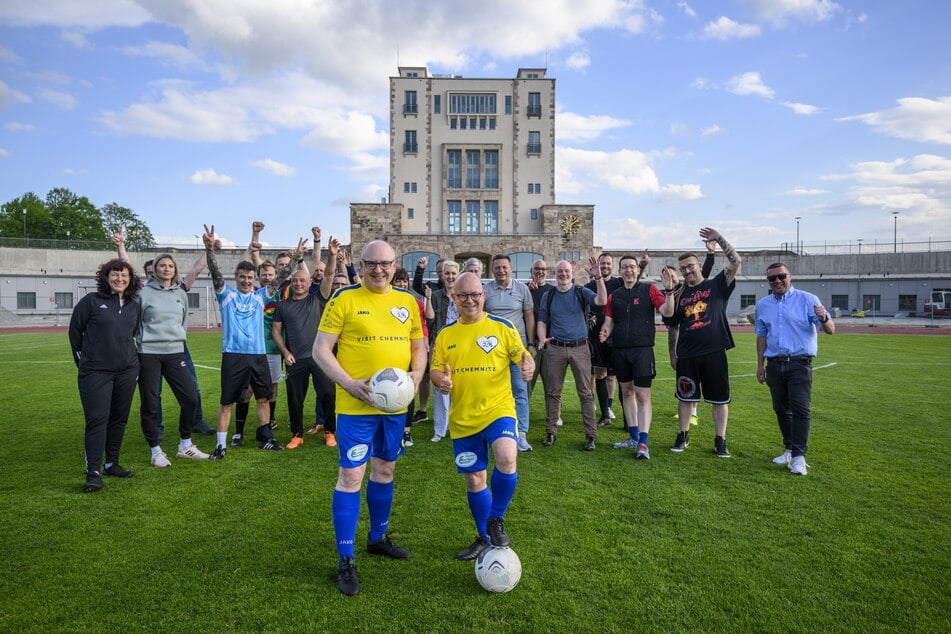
x: 703, y: 338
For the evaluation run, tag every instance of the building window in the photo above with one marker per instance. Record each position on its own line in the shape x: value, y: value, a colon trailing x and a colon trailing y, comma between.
x: 437, y: 104
x: 409, y: 145
x: 491, y: 158
x: 747, y: 300
x: 841, y: 302
x: 492, y: 124
x: 508, y: 104
x: 406, y: 187
x: 455, y: 216
x: 871, y: 302
x: 463, y: 122
x: 412, y: 73
x: 491, y: 223
x: 908, y: 302
x: 531, y: 188
x: 571, y: 256
x: 410, y: 212
x: 409, y: 104
x: 531, y: 75
x: 64, y: 300
x: 482, y: 121
x: 472, y: 123
x: 26, y: 300
x: 538, y: 188
x: 410, y: 260
x: 535, y: 142
x: 452, y: 123
x: 412, y: 187
x: 534, y: 214
x: 472, y: 104
x: 454, y: 169
x: 472, y: 169
x: 472, y: 216
x: 522, y: 263
x: 194, y: 300
x: 534, y: 104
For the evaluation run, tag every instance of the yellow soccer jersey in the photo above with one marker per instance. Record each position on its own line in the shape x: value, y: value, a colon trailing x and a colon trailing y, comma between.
x: 478, y: 356
x: 375, y: 331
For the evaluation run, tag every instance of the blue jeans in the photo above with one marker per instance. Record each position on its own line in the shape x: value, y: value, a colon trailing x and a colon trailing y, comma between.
x: 520, y: 392
x: 790, y: 385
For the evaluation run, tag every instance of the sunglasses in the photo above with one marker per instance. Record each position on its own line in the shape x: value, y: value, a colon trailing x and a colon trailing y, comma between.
x: 779, y: 276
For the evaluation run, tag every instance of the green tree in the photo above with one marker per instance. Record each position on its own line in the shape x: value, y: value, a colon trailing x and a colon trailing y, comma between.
x: 138, y: 237
x: 35, y: 223
x: 74, y: 217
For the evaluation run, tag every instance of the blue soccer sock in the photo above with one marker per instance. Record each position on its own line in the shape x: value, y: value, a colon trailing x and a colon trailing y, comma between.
x: 479, y: 505
x: 633, y: 432
x: 642, y: 437
x: 379, y: 502
x: 503, y: 488
x: 346, y: 511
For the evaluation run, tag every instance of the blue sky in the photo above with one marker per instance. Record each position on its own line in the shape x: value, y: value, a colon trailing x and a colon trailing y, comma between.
x: 672, y: 115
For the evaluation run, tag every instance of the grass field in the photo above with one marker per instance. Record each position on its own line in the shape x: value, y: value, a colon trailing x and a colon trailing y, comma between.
x: 683, y: 542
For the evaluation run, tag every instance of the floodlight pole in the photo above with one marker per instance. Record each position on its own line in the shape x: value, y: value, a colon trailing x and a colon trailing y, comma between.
x: 895, y: 216
x: 798, y: 245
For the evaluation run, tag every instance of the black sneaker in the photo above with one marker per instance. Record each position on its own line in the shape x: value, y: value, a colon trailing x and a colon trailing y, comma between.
x: 549, y: 440
x: 201, y: 427
x: 218, y: 453
x: 386, y: 547
x: 496, y: 530
x: 682, y: 442
x: 347, y: 581
x: 473, y: 551
x: 93, y: 482
x: 419, y: 417
x: 719, y: 447
x: 604, y: 421
x: 407, y: 439
x: 588, y: 444
x: 270, y: 444
x: 237, y: 441
x: 118, y: 472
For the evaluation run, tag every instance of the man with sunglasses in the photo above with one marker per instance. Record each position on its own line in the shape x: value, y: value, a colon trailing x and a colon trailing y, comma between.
x: 702, y: 341
x: 373, y: 326
x: 786, y: 342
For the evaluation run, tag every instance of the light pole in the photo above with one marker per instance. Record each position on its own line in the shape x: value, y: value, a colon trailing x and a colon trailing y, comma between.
x: 67, y: 239
x: 895, y: 216
x: 24, y: 226
x: 860, y: 245
x: 798, y: 246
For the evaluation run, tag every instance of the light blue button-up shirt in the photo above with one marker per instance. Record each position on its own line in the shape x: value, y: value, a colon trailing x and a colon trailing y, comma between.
x: 789, y: 323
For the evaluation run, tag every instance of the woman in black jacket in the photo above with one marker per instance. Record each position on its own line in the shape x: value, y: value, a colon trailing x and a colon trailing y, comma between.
x: 102, y: 334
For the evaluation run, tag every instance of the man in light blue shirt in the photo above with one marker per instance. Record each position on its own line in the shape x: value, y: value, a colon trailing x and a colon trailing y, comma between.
x: 786, y: 337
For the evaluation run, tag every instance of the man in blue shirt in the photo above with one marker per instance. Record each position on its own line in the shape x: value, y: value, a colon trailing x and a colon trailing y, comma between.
x: 786, y: 337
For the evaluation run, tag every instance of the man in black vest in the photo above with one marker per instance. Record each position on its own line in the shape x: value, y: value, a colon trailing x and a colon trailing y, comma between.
x: 629, y: 321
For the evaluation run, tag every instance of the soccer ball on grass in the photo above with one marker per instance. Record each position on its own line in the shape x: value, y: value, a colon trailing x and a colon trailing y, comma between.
x: 498, y: 569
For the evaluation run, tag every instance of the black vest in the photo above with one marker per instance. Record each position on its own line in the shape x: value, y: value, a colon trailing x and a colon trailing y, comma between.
x: 633, y: 322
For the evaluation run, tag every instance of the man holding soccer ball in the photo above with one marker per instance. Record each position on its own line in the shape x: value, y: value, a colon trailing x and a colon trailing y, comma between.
x: 471, y: 359
x: 373, y: 326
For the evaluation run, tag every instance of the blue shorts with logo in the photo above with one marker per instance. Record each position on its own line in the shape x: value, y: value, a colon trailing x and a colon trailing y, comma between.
x: 472, y: 452
x: 360, y: 437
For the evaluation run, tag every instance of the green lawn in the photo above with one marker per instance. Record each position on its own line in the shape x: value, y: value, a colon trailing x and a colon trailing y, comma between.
x: 683, y: 542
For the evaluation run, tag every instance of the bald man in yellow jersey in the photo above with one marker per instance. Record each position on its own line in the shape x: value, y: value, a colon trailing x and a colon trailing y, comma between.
x: 471, y: 359
x: 373, y: 326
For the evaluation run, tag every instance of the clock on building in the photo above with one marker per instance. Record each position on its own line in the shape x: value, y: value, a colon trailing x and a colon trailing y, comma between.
x: 570, y: 225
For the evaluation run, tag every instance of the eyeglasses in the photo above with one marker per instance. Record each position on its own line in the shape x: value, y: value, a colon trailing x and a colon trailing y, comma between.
x: 687, y: 267
x: 778, y: 276
x: 467, y: 296
x: 382, y: 264
x: 540, y: 268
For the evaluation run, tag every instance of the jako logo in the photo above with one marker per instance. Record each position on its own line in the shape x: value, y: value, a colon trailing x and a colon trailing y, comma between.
x: 465, y: 459
x: 358, y: 453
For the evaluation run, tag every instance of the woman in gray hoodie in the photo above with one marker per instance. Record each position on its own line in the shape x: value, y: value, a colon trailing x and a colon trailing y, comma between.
x: 162, y: 355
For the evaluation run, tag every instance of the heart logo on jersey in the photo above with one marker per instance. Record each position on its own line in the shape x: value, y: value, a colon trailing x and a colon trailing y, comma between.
x: 488, y: 344
x: 400, y: 313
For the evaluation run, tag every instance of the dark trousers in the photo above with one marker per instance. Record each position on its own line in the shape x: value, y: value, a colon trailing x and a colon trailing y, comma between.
x: 298, y: 375
x: 152, y: 368
x: 106, y: 399
x: 790, y: 385
x: 199, y: 414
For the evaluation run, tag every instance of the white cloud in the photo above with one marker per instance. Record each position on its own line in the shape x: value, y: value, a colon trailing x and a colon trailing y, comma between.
x: 915, y: 118
x: 8, y: 96
x: 627, y: 171
x: 70, y: 171
x: 15, y: 126
x: 346, y: 133
x: 684, y: 8
x: 578, y: 60
x: 801, y: 108
x: 164, y: 52
x: 701, y: 83
x: 6, y: 55
x: 779, y: 12
x: 712, y: 131
x: 724, y: 29
x: 69, y: 13
x: 802, y: 191
x: 58, y: 98
x: 4, y: 153
x: 211, y: 177
x: 749, y: 84
x: 272, y: 166
x: 78, y: 40
x: 576, y: 127
x: 677, y: 128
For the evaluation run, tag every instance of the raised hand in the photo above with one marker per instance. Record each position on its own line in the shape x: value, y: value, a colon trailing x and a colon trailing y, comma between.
x: 333, y: 246
x: 315, y: 231
x: 422, y: 262
x: 257, y: 226
x: 208, y: 238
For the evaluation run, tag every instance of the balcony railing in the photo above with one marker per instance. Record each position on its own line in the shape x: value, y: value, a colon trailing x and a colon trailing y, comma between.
x: 410, y: 108
x: 410, y: 148
x: 534, y: 110
x: 534, y: 148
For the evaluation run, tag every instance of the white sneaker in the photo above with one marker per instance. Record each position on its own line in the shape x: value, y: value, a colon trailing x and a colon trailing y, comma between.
x: 522, y: 443
x: 785, y: 458
x: 193, y: 453
x: 798, y: 465
x: 436, y: 438
x: 611, y: 414
x: 559, y: 422
x: 160, y: 460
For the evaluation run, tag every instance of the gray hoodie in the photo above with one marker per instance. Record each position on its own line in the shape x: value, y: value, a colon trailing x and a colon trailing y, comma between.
x: 164, y: 313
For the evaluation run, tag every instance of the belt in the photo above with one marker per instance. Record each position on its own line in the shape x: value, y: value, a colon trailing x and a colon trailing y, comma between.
x: 800, y: 359
x: 568, y: 344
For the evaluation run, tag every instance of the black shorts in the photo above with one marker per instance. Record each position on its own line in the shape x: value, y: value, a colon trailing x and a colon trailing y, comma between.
x: 601, y: 353
x: 707, y: 375
x: 240, y: 370
x: 634, y: 364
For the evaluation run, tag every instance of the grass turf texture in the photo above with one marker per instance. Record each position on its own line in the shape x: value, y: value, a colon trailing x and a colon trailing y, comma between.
x: 683, y: 542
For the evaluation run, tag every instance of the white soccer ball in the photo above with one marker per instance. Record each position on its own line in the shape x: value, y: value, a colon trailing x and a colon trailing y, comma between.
x: 392, y: 389
x: 498, y: 569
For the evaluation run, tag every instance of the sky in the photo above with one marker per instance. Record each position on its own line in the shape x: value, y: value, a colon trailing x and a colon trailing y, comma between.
x: 672, y: 115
